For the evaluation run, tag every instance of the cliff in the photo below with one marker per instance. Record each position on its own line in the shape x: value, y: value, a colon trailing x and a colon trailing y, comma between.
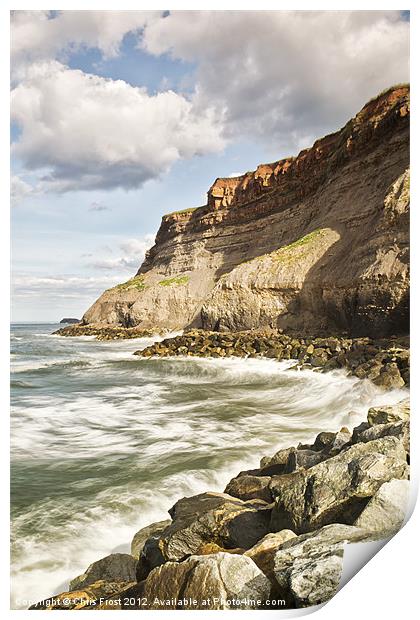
x: 313, y: 243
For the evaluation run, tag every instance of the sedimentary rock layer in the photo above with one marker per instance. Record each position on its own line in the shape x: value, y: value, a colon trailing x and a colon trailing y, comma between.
x: 308, y: 243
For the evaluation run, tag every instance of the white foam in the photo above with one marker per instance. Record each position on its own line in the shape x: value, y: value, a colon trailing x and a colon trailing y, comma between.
x: 178, y: 426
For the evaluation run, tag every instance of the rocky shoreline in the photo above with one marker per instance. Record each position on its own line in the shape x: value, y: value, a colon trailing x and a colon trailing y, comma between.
x: 275, y: 537
x: 109, y: 332
x: 385, y: 361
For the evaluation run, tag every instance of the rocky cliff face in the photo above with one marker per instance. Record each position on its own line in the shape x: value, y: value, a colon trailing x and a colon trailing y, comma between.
x: 313, y: 243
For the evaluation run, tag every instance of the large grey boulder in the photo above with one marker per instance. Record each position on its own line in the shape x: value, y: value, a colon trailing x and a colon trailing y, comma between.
x: 308, y: 568
x: 386, y: 511
x: 142, y: 535
x: 114, y: 567
x: 206, y: 518
x: 217, y: 578
x: 336, y: 490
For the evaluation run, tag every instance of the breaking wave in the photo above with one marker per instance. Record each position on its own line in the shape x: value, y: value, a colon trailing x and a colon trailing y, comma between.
x: 103, y: 443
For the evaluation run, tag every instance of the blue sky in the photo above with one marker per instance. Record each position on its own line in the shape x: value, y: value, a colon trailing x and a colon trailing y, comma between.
x: 120, y: 117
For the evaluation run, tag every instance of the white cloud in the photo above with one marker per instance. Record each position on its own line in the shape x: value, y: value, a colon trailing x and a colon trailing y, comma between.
x: 285, y: 76
x: 133, y: 252
x: 27, y: 285
x: 282, y: 77
x: 43, y: 35
x: 19, y: 190
x: 137, y: 247
x: 87, y: 132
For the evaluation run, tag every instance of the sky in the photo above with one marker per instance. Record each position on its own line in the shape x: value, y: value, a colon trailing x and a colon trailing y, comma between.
x: 118, y: 117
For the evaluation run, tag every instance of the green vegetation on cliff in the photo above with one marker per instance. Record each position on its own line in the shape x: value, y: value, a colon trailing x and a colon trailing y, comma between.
x: 177, y: 281
x: 303, y: 241
x: 134, y: 283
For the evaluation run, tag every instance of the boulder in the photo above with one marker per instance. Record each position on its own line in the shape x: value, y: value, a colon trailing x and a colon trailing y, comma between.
x: 263, y: 552
x: 114, y: 567
x: 323, y: 440
x: 336, y: 490
x: 394, y: 413
x: 250, y: 487
x: 389, y: 377
x: 401, y: 430
x: 142, y: 535
x: 386, y: 510
x: 302, y: 459
x: 206, y: 518
x: 341, y: 438
x: 84, y: 598
x: 280, y: 458
x: 206, y: 582
x: 308, y: 568
x: 210, y: 548
x: 358, y: 430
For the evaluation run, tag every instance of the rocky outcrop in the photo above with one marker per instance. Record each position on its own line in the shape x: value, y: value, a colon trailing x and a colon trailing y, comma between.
x: 335, y: 490
x: 386, y: 362
x: 312, y: 243
x: 106, y: 332
x: 278, y: 544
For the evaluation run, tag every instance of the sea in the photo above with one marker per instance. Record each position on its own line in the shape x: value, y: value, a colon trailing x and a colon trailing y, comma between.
x: 103, y: 442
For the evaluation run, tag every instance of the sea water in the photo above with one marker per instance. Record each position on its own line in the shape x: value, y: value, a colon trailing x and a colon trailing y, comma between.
x: 104, y: 442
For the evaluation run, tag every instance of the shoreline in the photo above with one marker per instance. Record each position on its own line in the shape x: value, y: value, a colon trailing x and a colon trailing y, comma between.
x: 385, y: 361
x: 273, y: 519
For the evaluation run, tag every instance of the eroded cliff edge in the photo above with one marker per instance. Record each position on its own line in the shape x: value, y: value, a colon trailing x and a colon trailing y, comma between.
x: 314, y: 243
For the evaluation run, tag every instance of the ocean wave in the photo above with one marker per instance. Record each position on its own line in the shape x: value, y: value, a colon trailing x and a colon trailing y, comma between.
x: 22, y: 384
x: 109, y: 442
x: 52, y: 366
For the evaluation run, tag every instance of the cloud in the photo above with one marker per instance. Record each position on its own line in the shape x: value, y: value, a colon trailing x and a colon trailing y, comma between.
x: 285, y: 77
x: 85, y: 132
x: 70, y: 286
x: 44, y: 35
x: 98, y: 206
x: 133, y: 253
x: 19, y: 190
x: 137, y: 247
x: 282, y: 78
